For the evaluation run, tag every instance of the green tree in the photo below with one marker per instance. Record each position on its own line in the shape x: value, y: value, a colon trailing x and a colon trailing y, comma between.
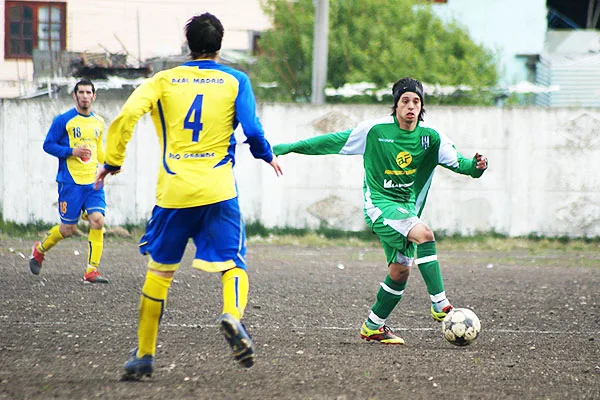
x: 376, y: 41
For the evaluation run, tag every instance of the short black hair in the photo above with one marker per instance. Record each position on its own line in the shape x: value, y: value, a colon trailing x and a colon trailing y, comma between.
x: 204, y: 34
x: 408, y: 85
x: 84, y: 82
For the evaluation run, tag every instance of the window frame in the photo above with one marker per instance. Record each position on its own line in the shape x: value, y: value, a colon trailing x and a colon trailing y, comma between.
x: 35, y: 6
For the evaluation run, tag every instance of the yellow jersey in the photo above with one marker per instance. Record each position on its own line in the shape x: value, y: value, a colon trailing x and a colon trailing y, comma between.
x: 68, y: 131
x: 195, y: 108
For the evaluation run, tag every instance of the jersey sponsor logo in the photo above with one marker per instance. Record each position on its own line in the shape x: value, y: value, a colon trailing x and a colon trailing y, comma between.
x: 403, y: 159
x: 386, y: 140
x: 178, y: 156
x: 198, y: 155
x: 218, y: 81
x: 388, y: 184
x: 395, y: 172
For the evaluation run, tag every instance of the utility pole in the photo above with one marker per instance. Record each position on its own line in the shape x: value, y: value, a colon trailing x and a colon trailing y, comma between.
x: 593, y: 14
x: 320, y: 50
x: 139, y: 38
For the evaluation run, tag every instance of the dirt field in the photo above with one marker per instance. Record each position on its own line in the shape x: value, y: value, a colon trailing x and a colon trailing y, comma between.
x: 61, y: 338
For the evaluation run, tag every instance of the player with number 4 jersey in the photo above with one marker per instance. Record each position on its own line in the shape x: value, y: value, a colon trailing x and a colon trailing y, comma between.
x: 195, y: 108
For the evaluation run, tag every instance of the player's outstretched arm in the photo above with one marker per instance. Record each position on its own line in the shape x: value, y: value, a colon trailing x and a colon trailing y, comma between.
x: 330, y: 143
x: 456, y: 162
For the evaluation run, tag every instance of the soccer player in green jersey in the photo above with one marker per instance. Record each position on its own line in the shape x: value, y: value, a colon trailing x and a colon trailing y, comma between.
x: 399, y: 154
x: 195, y: 108
x: 75, y: 139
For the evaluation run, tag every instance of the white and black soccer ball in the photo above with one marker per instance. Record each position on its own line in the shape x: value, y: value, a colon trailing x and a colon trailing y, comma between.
x: 461, y: 326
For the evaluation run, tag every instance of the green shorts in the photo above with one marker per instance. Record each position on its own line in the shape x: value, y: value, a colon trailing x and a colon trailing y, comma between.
x: 392, y: 228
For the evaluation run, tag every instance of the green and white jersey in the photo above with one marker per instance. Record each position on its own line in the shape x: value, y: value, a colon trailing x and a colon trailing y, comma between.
x: 398, y: 164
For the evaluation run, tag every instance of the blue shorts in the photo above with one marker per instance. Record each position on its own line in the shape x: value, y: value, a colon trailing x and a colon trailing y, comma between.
x: 217, y: 230
x: 73, y: 198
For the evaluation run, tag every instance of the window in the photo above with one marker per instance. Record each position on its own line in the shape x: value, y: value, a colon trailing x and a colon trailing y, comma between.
x: 33, y: 25
x: 255, y: 42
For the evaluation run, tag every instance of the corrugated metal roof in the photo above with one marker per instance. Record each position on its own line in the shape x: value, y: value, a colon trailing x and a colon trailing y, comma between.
x: 578, y: 41
x: 571, y: 61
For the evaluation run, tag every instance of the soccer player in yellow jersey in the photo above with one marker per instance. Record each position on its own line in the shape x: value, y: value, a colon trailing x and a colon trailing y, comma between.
x: 195, y: 108
x: 75, y: 138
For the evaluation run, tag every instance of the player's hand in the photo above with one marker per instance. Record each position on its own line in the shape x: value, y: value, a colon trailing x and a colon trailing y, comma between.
x: 275, y: 164
x: 100, y: 175
x: 481, y: 160
x: 82, y: 152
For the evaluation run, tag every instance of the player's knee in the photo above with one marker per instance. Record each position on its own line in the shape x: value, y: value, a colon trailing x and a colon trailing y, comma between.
x: 421, y: 233
x: 428, y: 236
x: 96, y: 220
x: 399, y: 272
x: 67, y: 230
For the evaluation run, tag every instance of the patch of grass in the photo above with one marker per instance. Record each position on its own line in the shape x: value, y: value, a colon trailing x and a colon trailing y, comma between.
x: 310, y: 239
x: 257, y: 232
x: 535, y: 244
x: 326, y: 236
x: 25, y: 231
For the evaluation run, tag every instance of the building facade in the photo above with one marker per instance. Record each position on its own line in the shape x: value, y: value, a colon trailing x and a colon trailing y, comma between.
x: 139, y: 30
x: 514, y: 29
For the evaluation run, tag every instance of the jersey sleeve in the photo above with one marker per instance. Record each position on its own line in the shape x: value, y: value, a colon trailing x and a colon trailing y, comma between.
x: 330, y: 143
x: 245, y: 111
x: 56, y: 142
x: 121, y: 129
x: 451, y: 159
x: 100, y: 151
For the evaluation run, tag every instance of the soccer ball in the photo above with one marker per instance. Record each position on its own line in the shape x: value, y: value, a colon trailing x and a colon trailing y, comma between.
x: 461, y: 326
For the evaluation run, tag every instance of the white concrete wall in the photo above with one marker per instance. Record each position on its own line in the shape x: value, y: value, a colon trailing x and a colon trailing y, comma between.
x: 543, y: 176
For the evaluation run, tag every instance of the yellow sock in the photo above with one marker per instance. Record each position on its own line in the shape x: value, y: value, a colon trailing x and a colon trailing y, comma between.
x: 152, y: 305
x: 95, y: 247
x: 235, y: 292
x: 53, y: 236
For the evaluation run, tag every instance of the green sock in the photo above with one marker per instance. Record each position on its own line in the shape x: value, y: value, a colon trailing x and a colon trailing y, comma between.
x: 388, y: 296
x: 432, y: 275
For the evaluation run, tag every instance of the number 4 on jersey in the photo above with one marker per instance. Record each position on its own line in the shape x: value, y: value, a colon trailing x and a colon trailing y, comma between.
x: 193, y: 117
